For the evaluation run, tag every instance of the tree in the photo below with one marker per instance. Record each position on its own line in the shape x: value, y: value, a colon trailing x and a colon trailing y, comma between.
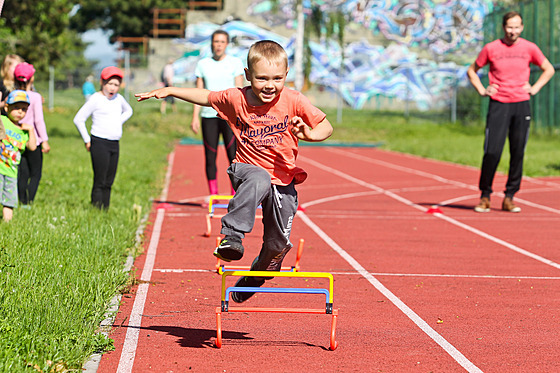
x: 38, y: 31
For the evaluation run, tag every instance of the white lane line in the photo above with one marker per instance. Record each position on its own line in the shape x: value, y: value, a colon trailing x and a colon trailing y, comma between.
x: 404, y: 169
x: 442, y: 179
x: 180, y: 270
x: 185, y: 214
x: 493, y: 277
x: 337, y: 197
x: 543, y: 182
x: 506, y: 277
x: 532, y: 204
x: 458, y: 199
x: 498, y: 241
x: 435, y: 336
x: 128, y: 353
x: 437, y: 215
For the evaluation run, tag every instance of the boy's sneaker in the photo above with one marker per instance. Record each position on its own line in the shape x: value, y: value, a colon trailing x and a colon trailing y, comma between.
x: 245, y: 281
x: 508, y: 205
x: 483, y: 205
x: 230, y: 248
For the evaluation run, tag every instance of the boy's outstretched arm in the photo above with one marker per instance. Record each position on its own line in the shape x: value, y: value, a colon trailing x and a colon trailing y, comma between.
x: 302, y: 131
x: 197, y: 96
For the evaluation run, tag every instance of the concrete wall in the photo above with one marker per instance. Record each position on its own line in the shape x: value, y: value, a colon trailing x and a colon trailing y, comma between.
x: 234, y: 9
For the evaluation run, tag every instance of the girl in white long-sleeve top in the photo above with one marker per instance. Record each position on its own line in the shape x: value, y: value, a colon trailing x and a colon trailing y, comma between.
x: 108, y: 110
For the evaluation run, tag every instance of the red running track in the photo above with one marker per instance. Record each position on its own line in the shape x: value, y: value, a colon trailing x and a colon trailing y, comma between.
x: 416, y: 291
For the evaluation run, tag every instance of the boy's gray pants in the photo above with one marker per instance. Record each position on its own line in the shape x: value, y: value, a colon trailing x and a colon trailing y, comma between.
x: 253, y: 187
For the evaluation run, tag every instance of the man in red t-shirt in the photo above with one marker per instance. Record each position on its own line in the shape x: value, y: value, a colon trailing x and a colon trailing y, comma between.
x: 509, y: 111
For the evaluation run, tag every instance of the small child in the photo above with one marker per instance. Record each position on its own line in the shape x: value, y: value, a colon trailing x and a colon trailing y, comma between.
x: 109, y: 110
x: 267, y: 120
x: 18, y: 136
x: 88, y: 88
x: 31, y: 165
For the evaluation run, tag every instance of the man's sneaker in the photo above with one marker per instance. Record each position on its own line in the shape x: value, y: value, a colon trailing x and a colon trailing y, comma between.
x: 230, y: 248
x: 508, y: 205
x: 246, y: 281
x: 483, y: 205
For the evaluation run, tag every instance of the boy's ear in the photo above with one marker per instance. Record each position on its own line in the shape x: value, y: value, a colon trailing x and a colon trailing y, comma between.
x: 247, y: 74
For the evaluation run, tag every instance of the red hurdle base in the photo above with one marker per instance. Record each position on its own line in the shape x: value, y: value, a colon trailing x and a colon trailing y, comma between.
x: 333, y: 343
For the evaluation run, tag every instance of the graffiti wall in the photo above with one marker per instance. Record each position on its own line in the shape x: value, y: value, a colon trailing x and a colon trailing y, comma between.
x: 441, y: 26
x: 368, y: 70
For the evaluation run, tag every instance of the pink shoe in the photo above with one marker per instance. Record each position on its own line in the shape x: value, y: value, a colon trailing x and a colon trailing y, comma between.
x: 213, y: 186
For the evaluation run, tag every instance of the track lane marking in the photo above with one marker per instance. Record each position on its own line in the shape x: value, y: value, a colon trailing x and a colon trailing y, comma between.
x: 130, y: 344
x: 505, y: 277
x: 455, y: 222
x: 442, y: 179
x: 435, y: 336
x: 494, y: 277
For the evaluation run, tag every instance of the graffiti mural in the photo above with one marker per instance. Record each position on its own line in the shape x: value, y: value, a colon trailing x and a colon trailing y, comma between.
x: 368, y: 70
x: 441, y: 26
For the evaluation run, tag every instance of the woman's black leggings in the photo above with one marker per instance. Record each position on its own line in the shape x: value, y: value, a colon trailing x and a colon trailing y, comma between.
x: 30, y: 171
x: 211, y: 129
x: 104, y: 159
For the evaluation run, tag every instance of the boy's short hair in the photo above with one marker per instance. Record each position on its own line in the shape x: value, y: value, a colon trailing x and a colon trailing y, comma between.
x: 267, y: 50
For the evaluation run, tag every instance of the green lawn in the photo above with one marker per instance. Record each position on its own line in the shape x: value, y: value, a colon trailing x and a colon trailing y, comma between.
x: 62, y: 261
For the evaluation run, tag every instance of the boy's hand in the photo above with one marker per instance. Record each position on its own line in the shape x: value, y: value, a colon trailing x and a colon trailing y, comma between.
x: 300, y: 129
x: 157, y: 93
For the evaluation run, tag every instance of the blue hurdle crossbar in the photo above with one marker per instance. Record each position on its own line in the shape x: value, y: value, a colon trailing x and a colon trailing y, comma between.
x: 249, y: 289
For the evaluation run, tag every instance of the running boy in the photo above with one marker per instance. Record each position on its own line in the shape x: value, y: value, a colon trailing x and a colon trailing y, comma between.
x: 267, y: 120
x: 18, y: 136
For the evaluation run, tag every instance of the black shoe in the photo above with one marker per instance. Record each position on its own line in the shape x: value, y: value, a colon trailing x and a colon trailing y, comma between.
x: 230, y: 248
x: 239, y: 297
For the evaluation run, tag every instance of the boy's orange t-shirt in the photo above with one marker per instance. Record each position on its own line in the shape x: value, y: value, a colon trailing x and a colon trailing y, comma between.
x: 263, y: 132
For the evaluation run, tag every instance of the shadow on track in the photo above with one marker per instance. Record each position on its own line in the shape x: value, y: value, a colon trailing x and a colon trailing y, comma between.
x: 196, y: 338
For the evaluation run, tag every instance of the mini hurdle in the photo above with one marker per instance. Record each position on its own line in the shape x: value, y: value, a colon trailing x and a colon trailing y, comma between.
x: 212, y: 206
x: 221, y: 268
x: 327, y: 292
